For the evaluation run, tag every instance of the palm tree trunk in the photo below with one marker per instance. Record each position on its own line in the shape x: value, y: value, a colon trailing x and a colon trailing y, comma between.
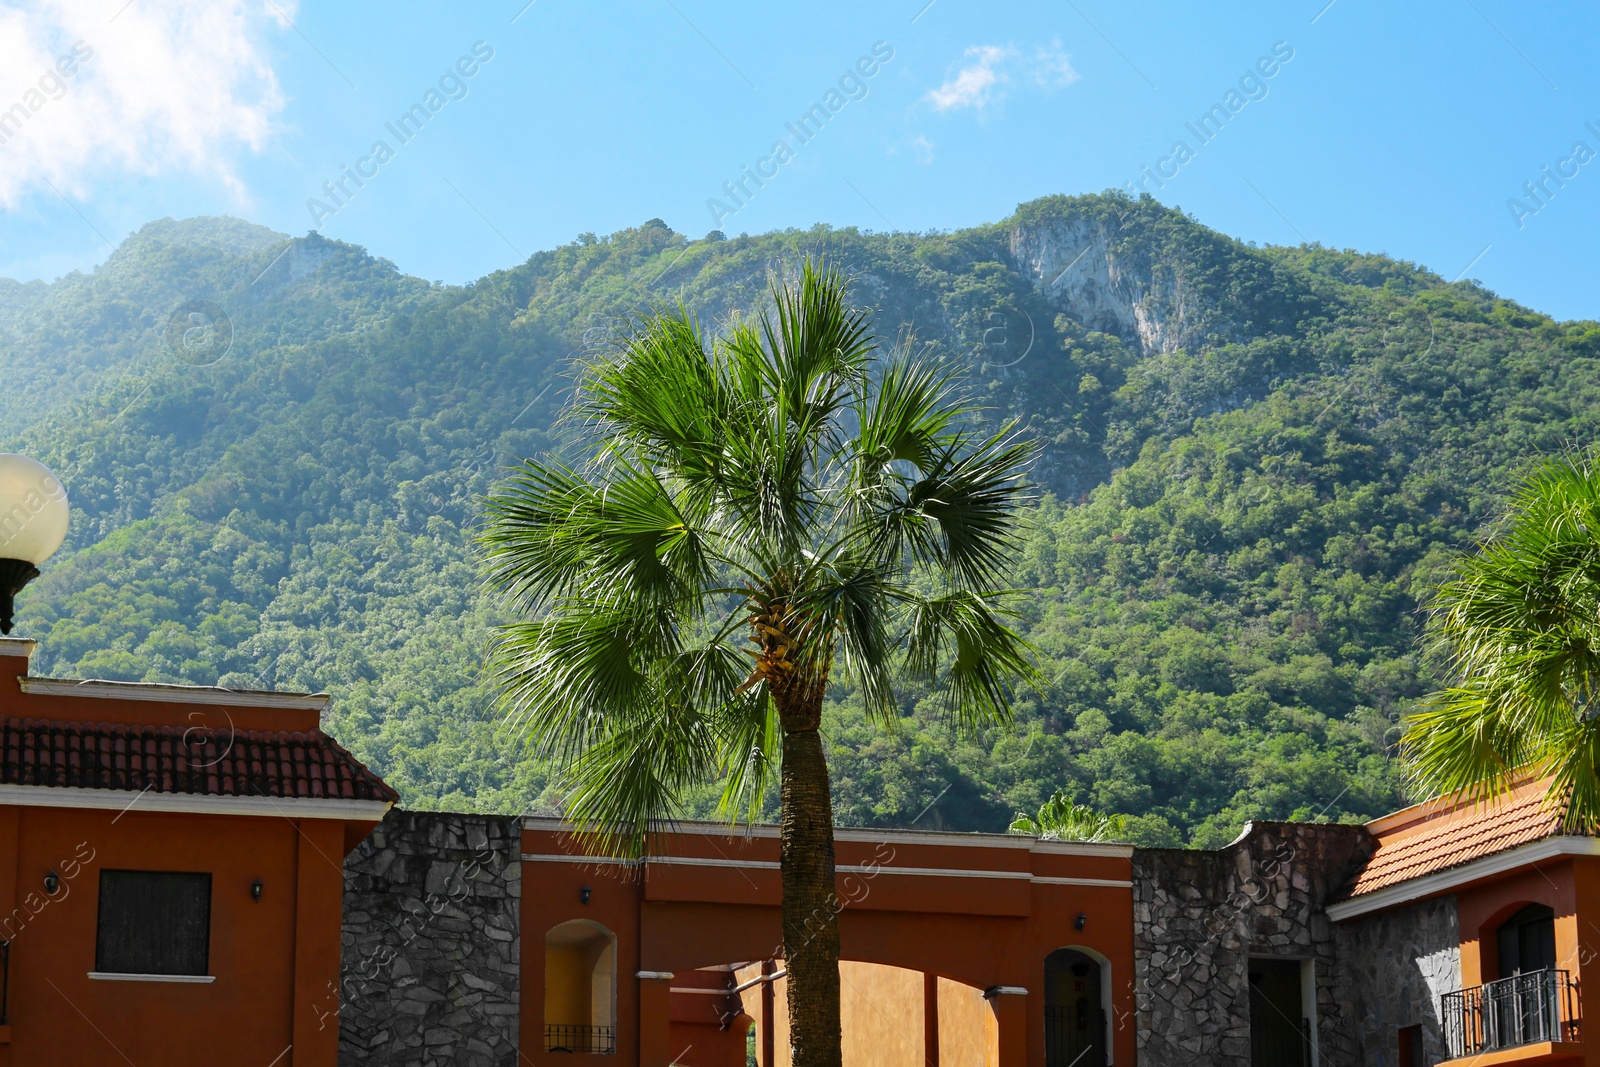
x: 810, y: 908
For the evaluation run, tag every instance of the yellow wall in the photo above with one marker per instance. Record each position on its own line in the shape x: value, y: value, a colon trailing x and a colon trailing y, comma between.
x: 968, y: 1034
x: 566, y: 986
x: 577, y: 982
x: 881, y: 1012
x: 602, y: 1006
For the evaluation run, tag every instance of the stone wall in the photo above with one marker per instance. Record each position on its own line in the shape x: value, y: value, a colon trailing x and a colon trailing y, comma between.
x: 1393, y: 968
x: 431, y: 954
x: 1199, y: 917
x: 432, y: 945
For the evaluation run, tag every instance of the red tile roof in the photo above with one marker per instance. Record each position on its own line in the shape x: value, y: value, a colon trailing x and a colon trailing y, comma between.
x: 193, y: 760
x: 1439, y: 837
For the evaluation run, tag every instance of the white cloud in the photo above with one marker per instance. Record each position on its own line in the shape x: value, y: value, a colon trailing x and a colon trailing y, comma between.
x: 165, y: 85
x: 923, y: 148
x: 982, y: 81
x: 974, y: 85
x: 1052, y: 68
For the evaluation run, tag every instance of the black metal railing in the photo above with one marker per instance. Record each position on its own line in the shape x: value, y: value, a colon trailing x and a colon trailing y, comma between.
x: 560, y: 1037
x: 1279, y: 1042
x: 1074, y: 1035
x: 1520, y: 1010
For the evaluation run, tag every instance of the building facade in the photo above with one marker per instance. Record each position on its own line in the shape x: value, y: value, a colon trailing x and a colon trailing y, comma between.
x: 1442, y: 934
x: 1491, y: 912
x: 186, y: 869
x: 171, y: 872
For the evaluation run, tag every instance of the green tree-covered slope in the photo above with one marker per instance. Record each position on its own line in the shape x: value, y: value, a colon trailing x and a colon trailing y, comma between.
x: 1254, y: 461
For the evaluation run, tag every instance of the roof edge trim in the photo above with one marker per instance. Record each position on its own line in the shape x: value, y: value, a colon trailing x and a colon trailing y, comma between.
x: 172, y: 694
x: 1428, y: 885
x: 858, y: 834
x: 125, y: 800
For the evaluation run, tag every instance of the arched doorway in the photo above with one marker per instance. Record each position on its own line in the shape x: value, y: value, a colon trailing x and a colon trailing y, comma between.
x: 580, y: 988
x: 1074, y: 1010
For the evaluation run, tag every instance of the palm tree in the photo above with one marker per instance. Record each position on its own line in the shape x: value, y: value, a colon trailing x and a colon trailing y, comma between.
x: 1520, y: 624
x: 1062, y: 819
x: 754, y: 517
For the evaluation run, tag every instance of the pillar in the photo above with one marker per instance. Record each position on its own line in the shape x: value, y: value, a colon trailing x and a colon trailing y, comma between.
x: 318, y: 926
x: 1010, y: 1006
x: 769, y: 1016
x: 930, y: 1019
x: 655, y: 1019
x: 10, y: 857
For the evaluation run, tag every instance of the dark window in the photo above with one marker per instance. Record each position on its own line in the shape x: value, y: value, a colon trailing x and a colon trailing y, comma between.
x: 1527, y: 941
x: 1412, y: 1051
x: 154, y: 922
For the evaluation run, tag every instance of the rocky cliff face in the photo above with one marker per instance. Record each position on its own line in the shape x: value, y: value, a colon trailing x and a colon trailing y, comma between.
x: 1081, y: 267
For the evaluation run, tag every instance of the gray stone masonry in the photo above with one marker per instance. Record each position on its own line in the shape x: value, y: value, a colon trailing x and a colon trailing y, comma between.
x: 432, y: 942
x: 1200, y: 916
x: 1393, y: 968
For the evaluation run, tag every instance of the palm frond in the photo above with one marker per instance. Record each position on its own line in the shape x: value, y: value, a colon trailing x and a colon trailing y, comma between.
x: 961, y: 643
x: 1062, y: 819
x: 972, y: 494
x: 627, y: 786
x: 1519, y: 624
x: 751, y: 748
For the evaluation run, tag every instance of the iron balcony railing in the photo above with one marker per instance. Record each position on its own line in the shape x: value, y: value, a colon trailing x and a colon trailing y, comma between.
x: 560, y: 1037
x: 1520, y: 1010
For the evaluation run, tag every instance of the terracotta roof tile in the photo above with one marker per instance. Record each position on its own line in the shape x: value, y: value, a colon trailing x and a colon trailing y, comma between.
x: 172, y: 759
x: 1457, y: 836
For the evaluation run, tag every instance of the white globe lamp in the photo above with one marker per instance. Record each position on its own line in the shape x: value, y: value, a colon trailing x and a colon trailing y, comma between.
x: 33, y: 523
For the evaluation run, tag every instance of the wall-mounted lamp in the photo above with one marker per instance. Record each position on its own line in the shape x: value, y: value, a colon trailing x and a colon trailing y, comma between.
x: 585, y: 893
x: 52, y: 882
x: 255, y: 889
x: 1080, y: 922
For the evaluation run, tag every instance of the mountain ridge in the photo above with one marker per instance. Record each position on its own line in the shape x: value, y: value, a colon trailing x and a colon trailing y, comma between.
x: 1254, y: 458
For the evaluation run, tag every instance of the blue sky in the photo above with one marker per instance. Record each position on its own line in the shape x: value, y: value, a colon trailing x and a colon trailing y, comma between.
x: 1400, y: 128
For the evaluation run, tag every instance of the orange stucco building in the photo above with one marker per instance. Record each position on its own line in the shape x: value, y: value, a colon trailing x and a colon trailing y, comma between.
x: 1445, y: 934
x: 177, y: 864
x: 1524, y: 897
x: 958, y: 949
x: 171, y: 872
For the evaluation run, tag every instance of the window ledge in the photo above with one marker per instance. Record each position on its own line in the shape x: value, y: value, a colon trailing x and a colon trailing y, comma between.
x: 118, y: 976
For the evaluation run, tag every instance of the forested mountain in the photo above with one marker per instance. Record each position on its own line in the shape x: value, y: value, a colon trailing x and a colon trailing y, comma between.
x: 1254, y: 463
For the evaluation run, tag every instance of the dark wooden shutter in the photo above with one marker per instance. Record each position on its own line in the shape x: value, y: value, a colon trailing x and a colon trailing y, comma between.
x: 154, y: 922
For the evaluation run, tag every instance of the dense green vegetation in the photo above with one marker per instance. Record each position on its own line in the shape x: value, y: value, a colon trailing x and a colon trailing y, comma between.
x: 1223, y: 574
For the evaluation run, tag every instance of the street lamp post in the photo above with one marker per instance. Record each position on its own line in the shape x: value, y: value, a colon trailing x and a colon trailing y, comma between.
x: 33, y: 523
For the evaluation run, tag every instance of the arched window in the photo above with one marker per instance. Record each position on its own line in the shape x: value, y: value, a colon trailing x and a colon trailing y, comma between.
x: 580, y: 988
x: 1526, y: 942
x: 1076, y: 1022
